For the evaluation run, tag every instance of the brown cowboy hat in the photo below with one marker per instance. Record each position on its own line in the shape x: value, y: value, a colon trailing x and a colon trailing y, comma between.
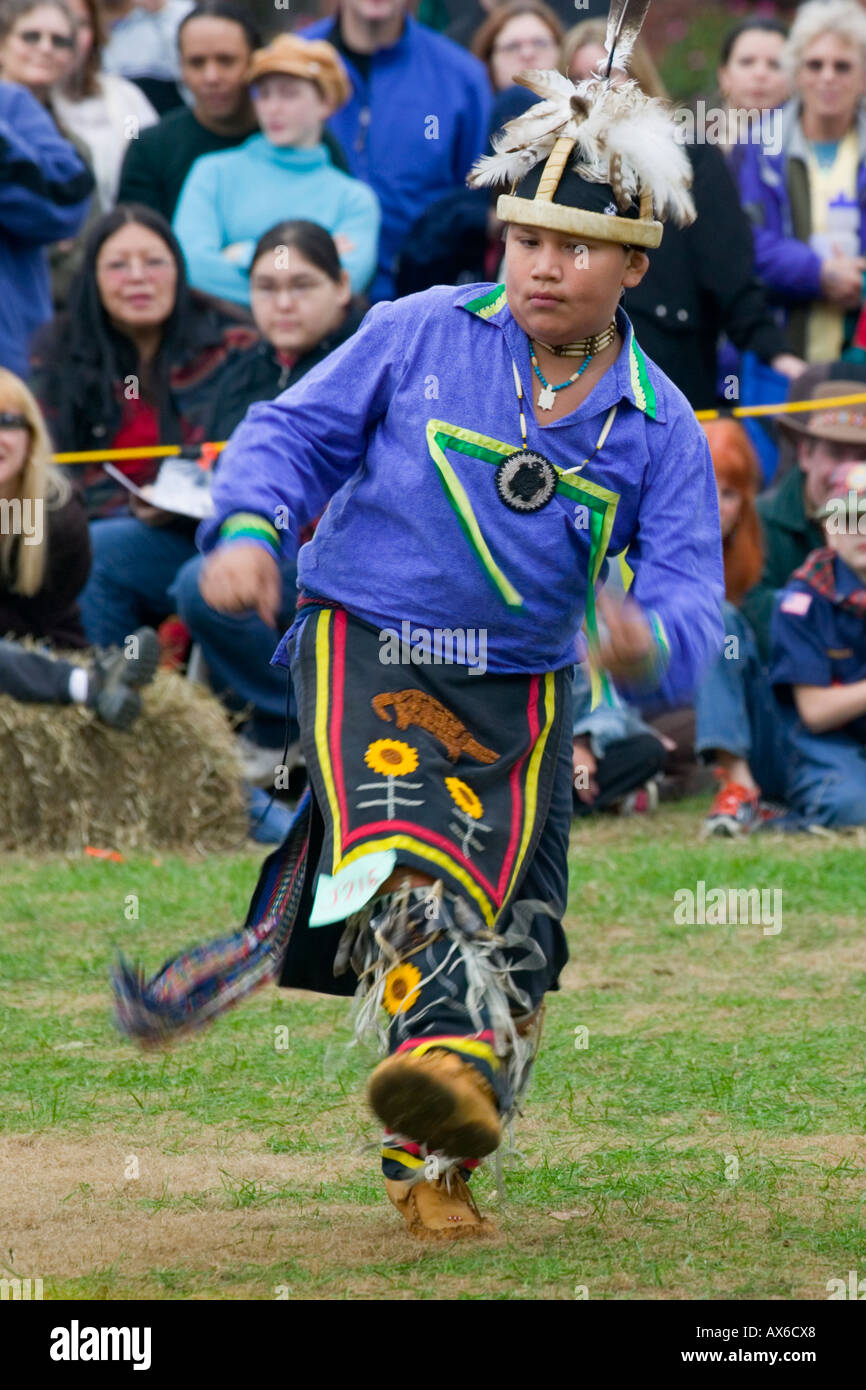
x: 844, y: 424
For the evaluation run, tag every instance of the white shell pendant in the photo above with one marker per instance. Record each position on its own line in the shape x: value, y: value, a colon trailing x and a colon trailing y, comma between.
x: 546, y: 398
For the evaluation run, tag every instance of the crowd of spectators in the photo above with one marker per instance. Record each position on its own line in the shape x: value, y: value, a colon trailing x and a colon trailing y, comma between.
x: 191, y: 218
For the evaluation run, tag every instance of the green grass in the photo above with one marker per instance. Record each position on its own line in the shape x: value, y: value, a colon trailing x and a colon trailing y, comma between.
x: 706, y: 1142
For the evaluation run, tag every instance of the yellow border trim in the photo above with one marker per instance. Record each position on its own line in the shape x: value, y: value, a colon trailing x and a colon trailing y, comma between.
x: 323, y: 664
x: 429, y: 852
x: 532, y: 775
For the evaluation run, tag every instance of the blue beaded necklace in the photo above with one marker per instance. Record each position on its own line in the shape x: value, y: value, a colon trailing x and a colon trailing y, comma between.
x: 547, y: 396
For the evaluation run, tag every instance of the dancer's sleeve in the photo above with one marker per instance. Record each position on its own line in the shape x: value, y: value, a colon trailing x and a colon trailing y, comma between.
x: 676, y: 555
x: 289, y: 456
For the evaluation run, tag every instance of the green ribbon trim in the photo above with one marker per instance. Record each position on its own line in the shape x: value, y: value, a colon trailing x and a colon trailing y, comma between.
x: 250, y: 526
x: 488, y: 304
x: 641, y: 385
x: 600, y: 502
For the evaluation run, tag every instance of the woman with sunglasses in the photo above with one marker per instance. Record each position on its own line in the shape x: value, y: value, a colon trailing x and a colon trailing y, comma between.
x: 806, y: 192
x: 37, y: 44
x: 37, y: 51
x: 44, y: 560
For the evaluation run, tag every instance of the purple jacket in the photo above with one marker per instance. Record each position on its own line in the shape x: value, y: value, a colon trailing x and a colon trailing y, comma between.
x: 788, y: 266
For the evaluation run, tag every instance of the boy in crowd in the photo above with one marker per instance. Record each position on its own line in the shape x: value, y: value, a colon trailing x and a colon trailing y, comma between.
x: 818, y: 661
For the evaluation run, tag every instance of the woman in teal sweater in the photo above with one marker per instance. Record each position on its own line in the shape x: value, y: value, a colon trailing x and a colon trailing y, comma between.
x: 229, y: 199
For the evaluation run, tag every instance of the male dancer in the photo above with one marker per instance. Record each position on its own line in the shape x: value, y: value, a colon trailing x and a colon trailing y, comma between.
x: 479, y: 451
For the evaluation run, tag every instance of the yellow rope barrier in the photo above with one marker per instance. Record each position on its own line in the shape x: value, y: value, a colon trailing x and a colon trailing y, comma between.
x: 739, y: 412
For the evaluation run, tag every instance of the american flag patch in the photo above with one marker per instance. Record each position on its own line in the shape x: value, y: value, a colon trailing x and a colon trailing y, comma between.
x: 798, y: 604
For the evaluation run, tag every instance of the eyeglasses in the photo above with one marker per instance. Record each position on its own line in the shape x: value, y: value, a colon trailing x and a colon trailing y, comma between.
x: 840, y: 66
x: 61, y: 42
x: 154, y: 265
x: 9, y: 420
x: 517, y: 45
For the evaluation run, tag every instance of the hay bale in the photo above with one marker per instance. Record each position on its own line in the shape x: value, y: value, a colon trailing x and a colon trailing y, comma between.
x: 171, y: 782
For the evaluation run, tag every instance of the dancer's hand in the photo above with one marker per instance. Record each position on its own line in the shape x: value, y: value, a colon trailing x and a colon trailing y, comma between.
x: 626, y: 650
x: 241, y: 578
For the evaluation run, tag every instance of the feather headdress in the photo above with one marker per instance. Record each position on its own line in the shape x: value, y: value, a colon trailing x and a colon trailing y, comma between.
x: 603, y: 133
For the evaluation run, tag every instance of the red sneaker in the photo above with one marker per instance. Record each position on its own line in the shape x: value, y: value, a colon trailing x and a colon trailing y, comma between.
x: 735, y: 811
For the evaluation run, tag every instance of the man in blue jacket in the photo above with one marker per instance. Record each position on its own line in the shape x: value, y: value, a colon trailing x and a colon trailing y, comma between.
x: 417, y: 118
x: 44, y: 196
x: 479, y: 450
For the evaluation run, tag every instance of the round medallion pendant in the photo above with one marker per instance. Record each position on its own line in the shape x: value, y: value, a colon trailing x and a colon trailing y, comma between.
x: 526, y: 481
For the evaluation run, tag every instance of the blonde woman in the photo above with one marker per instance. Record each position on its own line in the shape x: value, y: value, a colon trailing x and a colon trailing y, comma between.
x: 44, y: 562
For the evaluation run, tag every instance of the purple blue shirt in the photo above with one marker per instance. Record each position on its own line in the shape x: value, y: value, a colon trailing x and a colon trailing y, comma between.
x: 404, y: 430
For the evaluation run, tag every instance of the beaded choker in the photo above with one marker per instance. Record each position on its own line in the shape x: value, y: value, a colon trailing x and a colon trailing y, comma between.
x: 584, y: 347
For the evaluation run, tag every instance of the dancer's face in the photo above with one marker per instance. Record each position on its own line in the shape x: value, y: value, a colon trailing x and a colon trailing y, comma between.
x: 561, y: 286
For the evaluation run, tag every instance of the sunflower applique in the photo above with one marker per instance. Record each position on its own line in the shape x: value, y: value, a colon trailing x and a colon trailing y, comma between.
x: 401, y: 988
x: 391, y: 757
x: 464, y: 797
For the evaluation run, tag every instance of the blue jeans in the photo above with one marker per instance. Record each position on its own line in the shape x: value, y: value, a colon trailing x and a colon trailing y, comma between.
x: 736, y: 711
x: 828, y: 775
x: 238, y: 652
x: 134, y: 566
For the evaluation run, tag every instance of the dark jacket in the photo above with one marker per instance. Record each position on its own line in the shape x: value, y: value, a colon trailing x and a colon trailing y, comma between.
x: 258, y: 375
x: 52, y: 613
x: 701, y: 283
x: 83, y: 411
x: 789, y: 536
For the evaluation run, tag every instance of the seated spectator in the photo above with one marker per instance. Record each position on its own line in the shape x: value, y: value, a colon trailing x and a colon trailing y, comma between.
x: 44, y: 196
x: 818, y: 665
x: 44, y: 545
x: 103, y: 111
x: 789, y: 512
x: 683, y: 303
x: 616, y: 757
x: 805, y: 198
x: 228, y: 200
x: 738, y: 727
x: 135, y: 361
x: 216, y: 41
x: 142, y: 45
x: 302, y: 305
x: 44, y: 561
x: 416, y: 120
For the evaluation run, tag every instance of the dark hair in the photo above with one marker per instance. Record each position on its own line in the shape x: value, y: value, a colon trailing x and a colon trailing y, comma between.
x: 92, y: 357
x: 764, y: 25
x: 223, y: 9
x: 314, y: 243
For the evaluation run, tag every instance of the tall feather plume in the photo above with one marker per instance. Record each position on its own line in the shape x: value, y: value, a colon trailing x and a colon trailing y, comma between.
x: 624, y: 22
x: 621, y: 136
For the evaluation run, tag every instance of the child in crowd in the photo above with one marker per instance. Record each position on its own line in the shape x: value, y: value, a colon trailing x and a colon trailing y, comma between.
x: 229, y: 200
x: 818, y: 665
